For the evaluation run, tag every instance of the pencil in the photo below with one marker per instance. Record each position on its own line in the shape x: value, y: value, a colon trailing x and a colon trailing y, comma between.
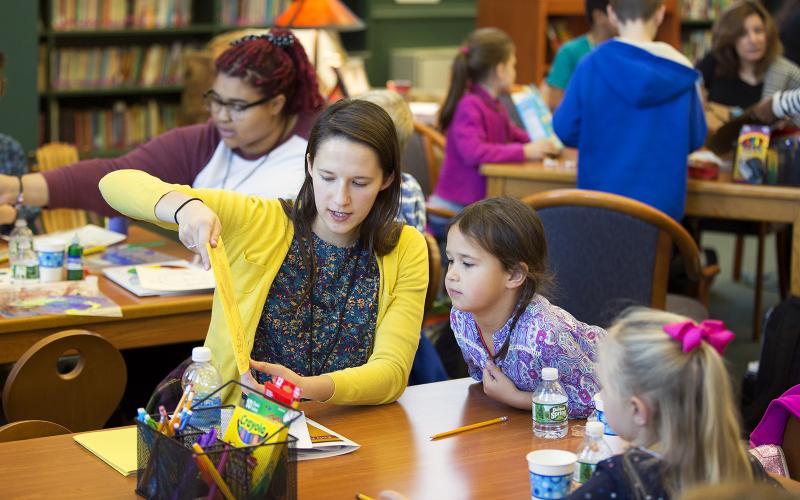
x: 95, y: 249
x: 361, y: 496
x: 205, y: 463
x: 469, y: 427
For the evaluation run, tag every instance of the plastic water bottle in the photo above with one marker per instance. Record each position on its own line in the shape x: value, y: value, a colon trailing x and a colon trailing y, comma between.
x: 615, y: 443
x: 592, y: 451
x: 549, y: 403
x: 24, y: 262
x: 205, y: 380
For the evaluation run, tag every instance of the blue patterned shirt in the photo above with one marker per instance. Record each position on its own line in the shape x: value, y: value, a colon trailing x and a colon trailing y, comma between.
x: 331, y: 330
x: 12, y: 162
x: 544, y: 336
x: 412, y: 203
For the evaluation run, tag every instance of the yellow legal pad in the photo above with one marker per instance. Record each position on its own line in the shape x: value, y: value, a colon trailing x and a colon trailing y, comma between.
x: 116, y: 447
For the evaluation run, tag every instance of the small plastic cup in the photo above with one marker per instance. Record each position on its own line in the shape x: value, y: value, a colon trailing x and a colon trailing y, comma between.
x: 550, y: 473
x: 616, y: 443
x: 51, y: 259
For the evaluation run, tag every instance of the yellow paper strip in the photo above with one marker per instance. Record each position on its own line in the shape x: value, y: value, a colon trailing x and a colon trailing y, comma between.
x: 222, y: 275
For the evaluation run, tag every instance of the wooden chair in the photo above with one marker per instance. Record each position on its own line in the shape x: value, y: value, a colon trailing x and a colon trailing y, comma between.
x: 81, y: 399
x: 791, y: 447
x: 49, y: 157
x: 607, y: 252
x: 433, y: 143
x: 434, y: 271
x: 29, y: 429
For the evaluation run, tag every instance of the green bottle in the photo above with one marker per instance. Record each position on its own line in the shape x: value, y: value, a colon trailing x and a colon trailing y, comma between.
x: 75, y: 260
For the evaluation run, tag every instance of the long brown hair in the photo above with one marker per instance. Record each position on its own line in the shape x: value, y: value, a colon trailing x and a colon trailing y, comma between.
x: 482, y: 51
x: 727, y: 30
x: 513, y: 233
x: 695, y: 421
x: 365, y: 123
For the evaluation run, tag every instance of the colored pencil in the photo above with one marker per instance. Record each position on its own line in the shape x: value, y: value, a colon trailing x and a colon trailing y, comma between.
x: 469, y: 427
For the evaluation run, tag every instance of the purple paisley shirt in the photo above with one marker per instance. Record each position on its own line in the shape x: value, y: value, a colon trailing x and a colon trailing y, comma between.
x: 544, y: 336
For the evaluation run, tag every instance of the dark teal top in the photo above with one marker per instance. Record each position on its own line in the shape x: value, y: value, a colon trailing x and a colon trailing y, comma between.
x: 567, y: 59
x: 332, y: 329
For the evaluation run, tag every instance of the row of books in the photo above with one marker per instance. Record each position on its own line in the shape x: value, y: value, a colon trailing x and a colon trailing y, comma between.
x: 703, y: 9
x: 82, y: 68
x: 119, y: 128
x: 557, y: 34
x: 696, y: 44
x: 116, y: 14
x: 251, y: 12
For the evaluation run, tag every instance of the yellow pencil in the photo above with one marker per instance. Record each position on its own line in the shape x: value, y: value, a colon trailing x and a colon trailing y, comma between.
x: 469, y: 427
x: 361, y: 496
x: 95, y: 249
x: 211, y: 470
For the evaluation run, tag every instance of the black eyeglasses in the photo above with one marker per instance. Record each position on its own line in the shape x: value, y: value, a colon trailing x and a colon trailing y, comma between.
x: 236, y: 109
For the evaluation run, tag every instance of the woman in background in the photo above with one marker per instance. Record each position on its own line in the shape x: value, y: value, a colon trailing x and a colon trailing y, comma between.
x: 745, y: 62
x: 263, y: 103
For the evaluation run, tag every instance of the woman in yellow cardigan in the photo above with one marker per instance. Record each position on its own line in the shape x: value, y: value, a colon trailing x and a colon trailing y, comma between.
x: 330, y: 288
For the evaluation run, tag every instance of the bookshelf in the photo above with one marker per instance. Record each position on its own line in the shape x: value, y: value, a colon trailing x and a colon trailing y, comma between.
x: 110, y: 72
x: 697, y: 20
x: 527, y: 21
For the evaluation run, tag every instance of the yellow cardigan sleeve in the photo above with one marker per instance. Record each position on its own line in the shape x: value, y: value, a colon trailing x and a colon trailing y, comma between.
x: 135, y: 193
x: 401, y: 305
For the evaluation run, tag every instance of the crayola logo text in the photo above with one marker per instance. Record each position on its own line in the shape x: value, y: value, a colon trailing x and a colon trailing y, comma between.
x: 252, y: 426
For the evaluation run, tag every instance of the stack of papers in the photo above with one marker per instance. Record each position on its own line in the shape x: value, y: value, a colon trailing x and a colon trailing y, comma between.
x: 116, y: 447
x: 88, y: 235
x: 314, y: 440
x: 172, y: 277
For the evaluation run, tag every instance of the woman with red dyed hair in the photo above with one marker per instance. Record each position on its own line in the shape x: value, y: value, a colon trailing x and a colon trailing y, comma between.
x: 263, y: 104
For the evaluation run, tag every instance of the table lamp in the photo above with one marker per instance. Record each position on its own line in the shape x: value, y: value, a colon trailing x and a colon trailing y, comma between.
x: 317, y: 15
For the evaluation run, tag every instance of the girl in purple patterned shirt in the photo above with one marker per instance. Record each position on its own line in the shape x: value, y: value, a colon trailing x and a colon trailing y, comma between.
x: 507, y: 332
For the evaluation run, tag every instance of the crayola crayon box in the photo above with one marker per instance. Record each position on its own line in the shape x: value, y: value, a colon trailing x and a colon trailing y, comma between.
x: 751, y: 154
x: 268, y: 438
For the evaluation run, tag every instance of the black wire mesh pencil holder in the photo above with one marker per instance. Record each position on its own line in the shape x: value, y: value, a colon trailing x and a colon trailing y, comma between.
x: 168, y: 466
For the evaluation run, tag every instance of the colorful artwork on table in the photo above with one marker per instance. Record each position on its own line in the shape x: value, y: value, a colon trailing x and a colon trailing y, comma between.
x: 78, y: 298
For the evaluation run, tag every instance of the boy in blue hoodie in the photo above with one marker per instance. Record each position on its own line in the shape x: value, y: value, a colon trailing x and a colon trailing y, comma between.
x: 633, y: 110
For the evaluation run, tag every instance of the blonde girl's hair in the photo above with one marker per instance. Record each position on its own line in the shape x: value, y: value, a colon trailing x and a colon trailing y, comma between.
x: 694, y: 419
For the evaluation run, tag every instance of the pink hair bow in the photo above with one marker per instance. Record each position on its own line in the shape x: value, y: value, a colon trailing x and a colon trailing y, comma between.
x: 690, y: 334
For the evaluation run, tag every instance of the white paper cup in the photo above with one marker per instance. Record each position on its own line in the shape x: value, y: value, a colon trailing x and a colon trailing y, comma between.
x: 550, y: 473
x: 51, y: 259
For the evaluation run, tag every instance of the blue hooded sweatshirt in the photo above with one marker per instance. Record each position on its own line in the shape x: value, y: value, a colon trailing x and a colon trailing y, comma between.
x: 634, y: 117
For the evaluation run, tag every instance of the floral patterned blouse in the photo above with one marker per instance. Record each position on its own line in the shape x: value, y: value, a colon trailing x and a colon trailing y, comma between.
x: 544, y: 336
x: 333, y: 330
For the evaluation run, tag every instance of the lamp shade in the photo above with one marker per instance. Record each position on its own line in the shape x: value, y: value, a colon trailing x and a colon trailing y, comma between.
x: 319, y: 14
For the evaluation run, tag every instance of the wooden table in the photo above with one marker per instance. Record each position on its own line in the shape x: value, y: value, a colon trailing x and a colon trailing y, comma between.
x: 726, y: 200
x: 395, y: 453
x: 145, y: 321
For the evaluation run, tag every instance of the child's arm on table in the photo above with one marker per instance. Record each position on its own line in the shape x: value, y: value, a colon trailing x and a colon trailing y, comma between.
x: 499, y: 387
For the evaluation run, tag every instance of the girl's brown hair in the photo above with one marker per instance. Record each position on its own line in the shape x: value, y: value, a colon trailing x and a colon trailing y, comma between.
x: 694, y: 418
x: 482, y: 51
x: 512, y: 232
x: 367, y: 124
x: 729, y: 27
